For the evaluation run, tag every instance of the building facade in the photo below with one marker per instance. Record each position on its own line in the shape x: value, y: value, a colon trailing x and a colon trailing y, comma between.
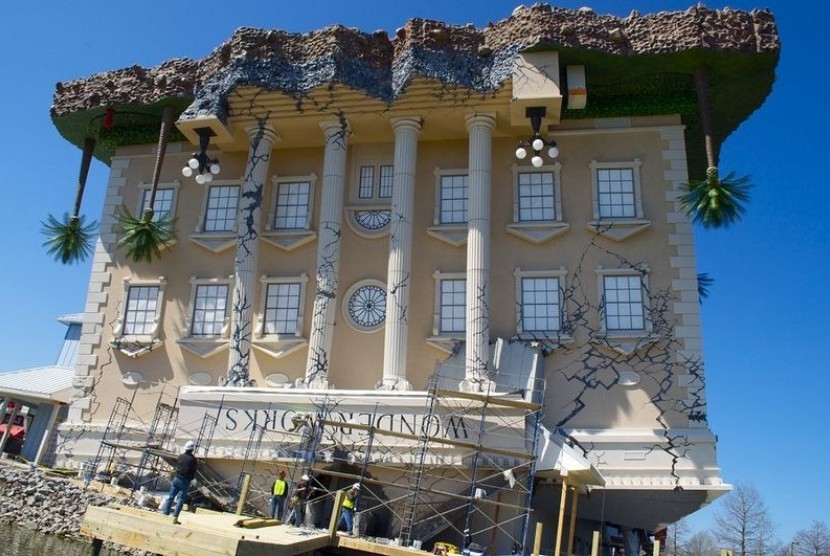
x: 371, y: 230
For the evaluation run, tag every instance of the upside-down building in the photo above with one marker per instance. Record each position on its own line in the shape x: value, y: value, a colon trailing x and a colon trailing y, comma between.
x: 508, y: 334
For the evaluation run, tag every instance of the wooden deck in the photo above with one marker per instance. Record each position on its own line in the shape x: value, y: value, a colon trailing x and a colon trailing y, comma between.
x: 214, y: 533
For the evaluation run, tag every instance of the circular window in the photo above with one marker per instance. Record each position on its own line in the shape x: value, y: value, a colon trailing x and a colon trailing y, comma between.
x: 373, y: 220
x: 365, y: 305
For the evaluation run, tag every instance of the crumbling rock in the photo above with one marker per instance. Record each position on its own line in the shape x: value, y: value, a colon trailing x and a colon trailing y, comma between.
x: 457, y: 55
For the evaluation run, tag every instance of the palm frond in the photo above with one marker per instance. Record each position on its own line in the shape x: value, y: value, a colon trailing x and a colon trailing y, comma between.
x: 715, y: 202
x: 69, y: 240
x: 704, y: 282
x: 143, y: 238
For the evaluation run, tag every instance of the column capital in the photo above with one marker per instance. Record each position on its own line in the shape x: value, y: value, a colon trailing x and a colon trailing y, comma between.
x: 480, y: 119
x: 414, y: 123
x: 332, y: 127
x: 265, y: 131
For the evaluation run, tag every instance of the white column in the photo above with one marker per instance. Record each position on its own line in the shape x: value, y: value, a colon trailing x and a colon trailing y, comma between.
x: 47, y: 433
x: 480, y: 128
x: 328, y: 254
x: 398, y: 278
x: 245, y: 262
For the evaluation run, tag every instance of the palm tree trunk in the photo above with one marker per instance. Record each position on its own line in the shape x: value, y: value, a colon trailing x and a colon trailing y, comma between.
x: 705, y: 109
x: 86, y: 160
x: 164, y: 135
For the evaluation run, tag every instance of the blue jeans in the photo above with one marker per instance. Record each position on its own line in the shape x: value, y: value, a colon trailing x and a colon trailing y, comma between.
x: 347, y: 518
x: 277, y: 505
x: 178, y: 490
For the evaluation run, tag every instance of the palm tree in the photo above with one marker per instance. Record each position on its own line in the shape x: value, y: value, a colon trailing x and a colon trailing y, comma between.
x: 70, y: 240
x: 713, y: 202
x: 144, y: 237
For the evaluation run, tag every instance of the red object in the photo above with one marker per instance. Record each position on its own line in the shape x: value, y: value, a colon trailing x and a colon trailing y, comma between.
x: 16, y: 431
x: 109, y: 118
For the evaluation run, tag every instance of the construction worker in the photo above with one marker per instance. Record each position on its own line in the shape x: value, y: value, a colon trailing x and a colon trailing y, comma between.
x: 348, y: 509
x: 279, y: 491
x: 186, y: 466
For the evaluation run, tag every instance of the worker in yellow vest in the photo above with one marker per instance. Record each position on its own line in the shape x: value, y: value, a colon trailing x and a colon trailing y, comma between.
x: 279, y: 490
x: 348, y: 509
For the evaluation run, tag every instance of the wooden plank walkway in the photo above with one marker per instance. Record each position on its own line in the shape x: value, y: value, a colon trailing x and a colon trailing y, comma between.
x: 213, y: 533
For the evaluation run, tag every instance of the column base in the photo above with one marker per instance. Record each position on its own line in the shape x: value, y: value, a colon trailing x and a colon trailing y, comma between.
x: 315, y: 384
x: 477, y: 385
x: 397, y: 384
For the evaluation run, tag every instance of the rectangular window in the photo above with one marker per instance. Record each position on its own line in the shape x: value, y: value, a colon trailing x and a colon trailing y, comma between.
x: 623, y: 300
x: 536, y: 197
x: 366, y: 188
x: 210, y: 309
x: 141, y: 310
x: 453, y: 199
x: 615, y: 193
x: 223, y: 201
x: 540, y: 304
x: 292, y: 206
x: 453, y: 299
x: 282, y: 308
x: 163, y: 205
x: 387, y: 177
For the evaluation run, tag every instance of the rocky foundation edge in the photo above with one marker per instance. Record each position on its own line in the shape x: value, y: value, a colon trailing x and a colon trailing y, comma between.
x: 479, y: 59
x: 51, y: 505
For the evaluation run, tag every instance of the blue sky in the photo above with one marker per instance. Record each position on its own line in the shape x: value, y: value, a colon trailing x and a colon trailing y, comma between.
x: 767, y: 312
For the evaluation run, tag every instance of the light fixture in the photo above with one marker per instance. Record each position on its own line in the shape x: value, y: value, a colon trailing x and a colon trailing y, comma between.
x: 536, y: 143
x: 204, y: 168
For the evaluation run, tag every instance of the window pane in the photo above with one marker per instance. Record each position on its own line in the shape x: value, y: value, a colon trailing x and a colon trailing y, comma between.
x: 282, y: 308
x: 624, y: 308
x: 163, y: 205
x: 386, y: 180
x: 615, y: 193
x: 536, y: 201
x: 210, y: 309
x: 366, y: 187
x: 453, y: 199
x: 453, y: 306
x: 540, y: 310
x: 220, y: 215
x: 292, y: 206
x: 140, y: 315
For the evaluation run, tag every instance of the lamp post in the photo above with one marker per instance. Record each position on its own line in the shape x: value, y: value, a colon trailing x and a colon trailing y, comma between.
x: 200, y: 162
x: 792, y: 547
x: 536, y: 143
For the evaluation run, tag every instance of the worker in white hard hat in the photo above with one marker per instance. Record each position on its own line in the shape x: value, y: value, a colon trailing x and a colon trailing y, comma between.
x: 186, y: 466
x: 346, y: 522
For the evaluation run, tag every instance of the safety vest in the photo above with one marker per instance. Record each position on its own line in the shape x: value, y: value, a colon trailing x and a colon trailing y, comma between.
x: 348, y: 503
x: 280, y: 487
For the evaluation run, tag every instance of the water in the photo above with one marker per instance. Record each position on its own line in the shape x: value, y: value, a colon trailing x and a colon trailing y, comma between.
x: 19, y: 541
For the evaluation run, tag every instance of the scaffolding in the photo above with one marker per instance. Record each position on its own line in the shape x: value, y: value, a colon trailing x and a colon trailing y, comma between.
x: 460, y: 469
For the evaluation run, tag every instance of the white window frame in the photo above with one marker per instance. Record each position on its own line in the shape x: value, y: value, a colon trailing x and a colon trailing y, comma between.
x: 347, y: 298
x: 268, y: 281
x: 133, y: 344
x: 440, y: 176
x: 639, y: 273
x: 520, y: 275
x: 453, y: 233
x: 201, y: 227
x: 634, y: 167
x: 437, y: 328
x: 555, y: 170
x: 538, y: 231
x: 195, y: 285
x: 144, y: 190
x: 289, y: 239
x: 377, y: 157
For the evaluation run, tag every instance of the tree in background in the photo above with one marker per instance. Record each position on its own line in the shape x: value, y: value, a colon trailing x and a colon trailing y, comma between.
x: 676, y: 534
x: 699, y: 544
x: 814, y: 541
x: 743, y: 523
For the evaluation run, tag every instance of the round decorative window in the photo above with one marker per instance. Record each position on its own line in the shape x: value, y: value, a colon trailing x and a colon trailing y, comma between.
x: 372, y: 220
x: 365, y: 306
